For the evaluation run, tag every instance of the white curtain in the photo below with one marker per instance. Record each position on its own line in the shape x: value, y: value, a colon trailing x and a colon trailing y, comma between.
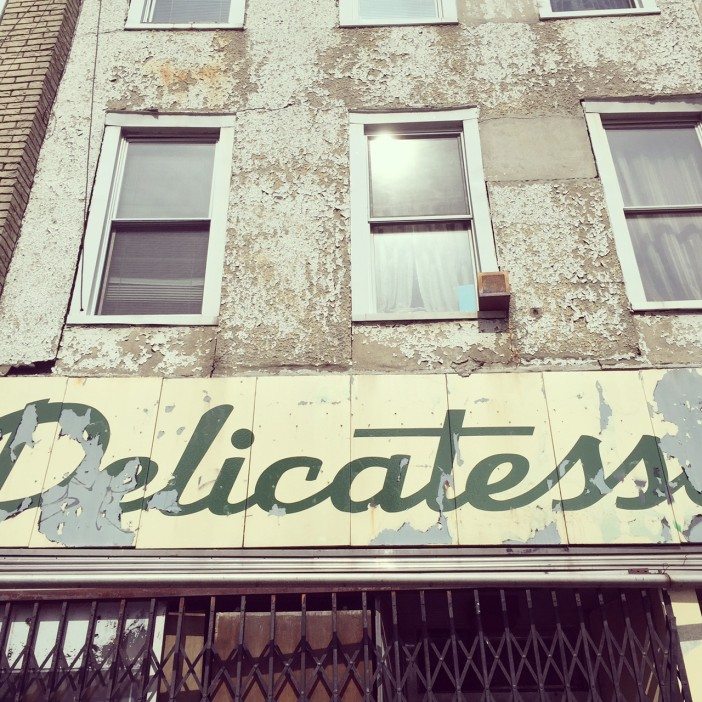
x: 659, y: 167
x: 423, y: 267
x: 669, y: 254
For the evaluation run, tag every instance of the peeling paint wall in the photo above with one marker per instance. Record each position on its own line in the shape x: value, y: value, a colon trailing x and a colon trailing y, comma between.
x: 290, y: 77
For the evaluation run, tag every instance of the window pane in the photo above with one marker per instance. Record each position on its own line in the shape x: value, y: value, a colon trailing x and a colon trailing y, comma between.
x: 166, y: 179
x: 658, y: 167
x: 424, y: 268
x: 576, y: 5
x: 669, y: 253
x: 377, y: 10
x: 186, y: 11
x: 155, y: 271
x: 416, y: 176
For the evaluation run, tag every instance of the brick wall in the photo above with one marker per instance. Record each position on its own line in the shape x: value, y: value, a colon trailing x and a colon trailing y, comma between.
x: 35, y: 38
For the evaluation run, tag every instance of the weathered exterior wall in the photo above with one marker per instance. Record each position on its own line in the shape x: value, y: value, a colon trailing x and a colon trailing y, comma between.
x: 290, y: 77
x: 36, y: 38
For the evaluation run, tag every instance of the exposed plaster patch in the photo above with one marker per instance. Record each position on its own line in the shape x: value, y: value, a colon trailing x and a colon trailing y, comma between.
x: 277, y: 511
x: 24, y: 434
x: 437, y: 535
x: 86, y: 511
x: 562, y: 229
x: 155, y: 351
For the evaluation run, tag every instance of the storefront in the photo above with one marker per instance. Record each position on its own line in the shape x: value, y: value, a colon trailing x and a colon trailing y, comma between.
x: 527, y: 536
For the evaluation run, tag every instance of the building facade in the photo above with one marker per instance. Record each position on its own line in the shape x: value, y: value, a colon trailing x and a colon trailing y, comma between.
x: 353, y: 349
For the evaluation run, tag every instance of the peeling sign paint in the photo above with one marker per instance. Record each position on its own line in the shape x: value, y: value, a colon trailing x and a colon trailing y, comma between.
x: 276, y: 511
x: 86, y: 511
x: 693, y: 532
x: 23, y: 507
x: 600, y: 483
x: 436, y: 535
x: 678, y: 398
x: 544, y: 536
x: 24, y: 434
x: 605, y: 409
x: 165, y: 501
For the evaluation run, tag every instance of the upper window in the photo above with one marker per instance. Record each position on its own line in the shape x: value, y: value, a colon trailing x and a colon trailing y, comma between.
x: 202, y: 14
x: 420, y: 222
x: 155, y: 237
x: 385, y: 12
x: 650, y: 160
x: 588, y: 8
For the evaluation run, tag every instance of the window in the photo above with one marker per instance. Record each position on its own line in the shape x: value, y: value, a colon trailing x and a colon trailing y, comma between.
x: 154, y: 243
x: 650, y: 161
x: 354, y: 13
x: 420, y: 222
x: 72, y: 647
x: 195, y: 14
x: 589, y: 8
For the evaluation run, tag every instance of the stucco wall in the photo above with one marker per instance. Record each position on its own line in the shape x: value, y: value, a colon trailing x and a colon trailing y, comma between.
x: 290, y: 77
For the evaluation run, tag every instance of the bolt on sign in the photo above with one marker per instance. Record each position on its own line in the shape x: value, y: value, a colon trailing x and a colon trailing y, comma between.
x: 337, y: 460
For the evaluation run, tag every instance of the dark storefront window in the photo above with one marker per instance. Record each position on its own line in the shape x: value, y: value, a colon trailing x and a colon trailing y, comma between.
x: 470, y: 645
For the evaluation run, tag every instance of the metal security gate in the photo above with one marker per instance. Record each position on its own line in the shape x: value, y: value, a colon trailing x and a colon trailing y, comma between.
x: 468, y: 644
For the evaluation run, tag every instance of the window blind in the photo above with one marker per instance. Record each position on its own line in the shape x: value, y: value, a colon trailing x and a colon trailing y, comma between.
x: 378, y: 10
x: 155, y: 271
x: 581, y: 5
x: 186, y: 11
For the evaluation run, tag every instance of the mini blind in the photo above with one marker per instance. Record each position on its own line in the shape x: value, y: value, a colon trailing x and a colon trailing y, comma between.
x: 159, y: 235
x: 583, y: 5
x: 187, y: 11
x: 379, y: 10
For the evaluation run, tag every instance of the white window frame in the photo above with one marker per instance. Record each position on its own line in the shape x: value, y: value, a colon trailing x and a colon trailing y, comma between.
x: 643, y: 7
x: 362, y: 269
x: 447, y: 13
x: 613, y: 195
x: 138, y: 9
x: 104, y: 200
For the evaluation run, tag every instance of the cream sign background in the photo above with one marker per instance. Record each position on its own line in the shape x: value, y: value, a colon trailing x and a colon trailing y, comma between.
x: 335, y: 460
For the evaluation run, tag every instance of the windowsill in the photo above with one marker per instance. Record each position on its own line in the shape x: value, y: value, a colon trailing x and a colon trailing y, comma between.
x: 425, y: 316
x: 667, y: 306
x: 398, y: 23
x: 549, y: 15
x: 187, y: 27
x: 146, y: 320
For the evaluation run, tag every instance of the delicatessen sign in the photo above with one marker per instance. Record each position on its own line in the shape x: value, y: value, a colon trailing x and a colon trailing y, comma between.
x: 337, y: 460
